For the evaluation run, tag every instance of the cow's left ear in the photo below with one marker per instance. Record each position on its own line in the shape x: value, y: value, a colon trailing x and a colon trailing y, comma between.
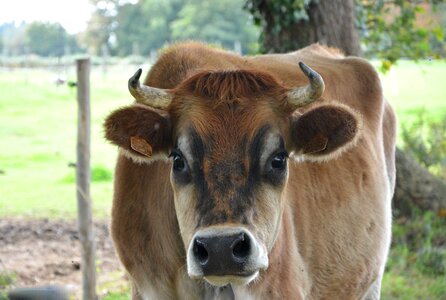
x: 143, y: 134
x: 324, y: 132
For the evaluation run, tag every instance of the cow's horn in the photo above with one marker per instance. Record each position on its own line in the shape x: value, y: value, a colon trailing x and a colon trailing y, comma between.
x: 150, y: 96
x: 305, y: 95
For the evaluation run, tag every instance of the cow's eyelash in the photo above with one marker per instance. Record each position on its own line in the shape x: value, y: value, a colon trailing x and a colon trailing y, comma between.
x: 175, y: 152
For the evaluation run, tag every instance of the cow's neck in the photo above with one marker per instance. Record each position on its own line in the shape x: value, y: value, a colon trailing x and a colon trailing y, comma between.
x: 286, y: 267
x: 220, y: 293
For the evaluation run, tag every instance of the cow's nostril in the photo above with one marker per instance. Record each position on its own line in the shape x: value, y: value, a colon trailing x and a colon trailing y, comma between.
x: 200, y: 252
x: 241, y: 247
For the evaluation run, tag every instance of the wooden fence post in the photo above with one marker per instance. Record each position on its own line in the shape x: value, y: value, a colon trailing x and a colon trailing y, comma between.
x: 85, y: 222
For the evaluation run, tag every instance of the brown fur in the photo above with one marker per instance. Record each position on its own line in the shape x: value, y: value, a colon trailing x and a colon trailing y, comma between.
x: 334, y: 226
x: 138, y: 121
x: 324, y: 130
x: 231, y: 85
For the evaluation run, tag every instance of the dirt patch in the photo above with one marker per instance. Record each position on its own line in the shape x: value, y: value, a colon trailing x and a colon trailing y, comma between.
x: 47, y: 252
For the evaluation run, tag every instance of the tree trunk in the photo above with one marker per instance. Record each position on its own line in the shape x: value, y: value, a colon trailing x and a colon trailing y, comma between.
x: 415, y: 186
x: 332, y: 23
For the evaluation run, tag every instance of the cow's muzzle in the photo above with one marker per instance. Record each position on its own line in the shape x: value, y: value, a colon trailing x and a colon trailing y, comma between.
x: 223, y: 255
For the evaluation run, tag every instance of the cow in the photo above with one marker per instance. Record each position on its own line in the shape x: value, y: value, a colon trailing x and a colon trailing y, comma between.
x: 264, y: 177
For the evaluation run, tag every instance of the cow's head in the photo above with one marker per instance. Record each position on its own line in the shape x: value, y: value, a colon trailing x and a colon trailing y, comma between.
x: 229, y: 136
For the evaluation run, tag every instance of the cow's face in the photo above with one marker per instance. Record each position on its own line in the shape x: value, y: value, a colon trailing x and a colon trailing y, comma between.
x: 228, y: 179
x: 229, y: 136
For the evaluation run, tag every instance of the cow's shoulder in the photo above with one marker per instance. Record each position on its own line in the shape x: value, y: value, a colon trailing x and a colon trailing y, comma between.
x: 361, y: 89
x: 350, y: 80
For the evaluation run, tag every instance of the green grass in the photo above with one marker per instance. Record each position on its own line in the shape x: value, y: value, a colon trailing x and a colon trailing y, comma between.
x: 38, y: 140
x: 7, y: 279
x: 411, y: 87
x: 416, y: 267
x: 117, y: 296
x: 411, y: 285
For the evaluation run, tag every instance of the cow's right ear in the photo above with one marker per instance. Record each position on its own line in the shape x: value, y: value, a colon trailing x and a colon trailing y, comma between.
x: 324, y: 132
x: 143, y: 133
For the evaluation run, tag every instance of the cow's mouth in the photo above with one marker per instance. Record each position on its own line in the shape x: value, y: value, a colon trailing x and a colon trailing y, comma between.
x: 231, y: 279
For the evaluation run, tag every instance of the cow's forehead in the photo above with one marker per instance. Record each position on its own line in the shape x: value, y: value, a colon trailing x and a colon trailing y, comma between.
x: 228, y: 104
x: 227, y: 126
x: 227, y: 86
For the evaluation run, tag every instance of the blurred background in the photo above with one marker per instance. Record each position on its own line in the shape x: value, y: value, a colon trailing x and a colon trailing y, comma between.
x: 40, y: 40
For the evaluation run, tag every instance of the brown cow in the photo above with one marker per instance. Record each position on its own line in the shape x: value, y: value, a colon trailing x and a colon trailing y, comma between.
x: 237, y: 178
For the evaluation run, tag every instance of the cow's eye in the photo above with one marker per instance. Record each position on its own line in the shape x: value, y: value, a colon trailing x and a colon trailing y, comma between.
x: 178, y: 161
x: 279, y: 161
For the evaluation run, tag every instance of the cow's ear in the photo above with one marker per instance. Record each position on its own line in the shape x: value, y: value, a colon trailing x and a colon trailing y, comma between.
x: 142, y: 133
x: 324, y: 132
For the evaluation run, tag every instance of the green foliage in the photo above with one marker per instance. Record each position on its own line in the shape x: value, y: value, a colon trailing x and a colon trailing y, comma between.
x: 389, y: 32
x: 145, y: 26
x: 13, y: 38
x: 425, y: 139
x: 288, y: 12
x: 422, y: 231
x: 387, y: 28
x: 117, y: 296
x: 431, y: 261
x: 47, y: 39
x: 39, y: 38
x: 101, y: 25
x: 221, y: 22
x: 417, y: 261
x: 276, y: 16
x: 410, y: 285
x: 6, y: 279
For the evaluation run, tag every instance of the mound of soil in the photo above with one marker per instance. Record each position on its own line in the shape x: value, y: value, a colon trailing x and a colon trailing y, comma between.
x: 47, y: 252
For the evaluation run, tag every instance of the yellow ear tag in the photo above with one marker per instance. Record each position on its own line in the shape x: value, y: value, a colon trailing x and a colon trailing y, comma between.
x: 141, y: 146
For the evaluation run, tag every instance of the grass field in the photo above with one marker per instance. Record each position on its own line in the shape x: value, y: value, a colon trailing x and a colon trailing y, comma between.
x: 411, y: 87
x: 38, y: 139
